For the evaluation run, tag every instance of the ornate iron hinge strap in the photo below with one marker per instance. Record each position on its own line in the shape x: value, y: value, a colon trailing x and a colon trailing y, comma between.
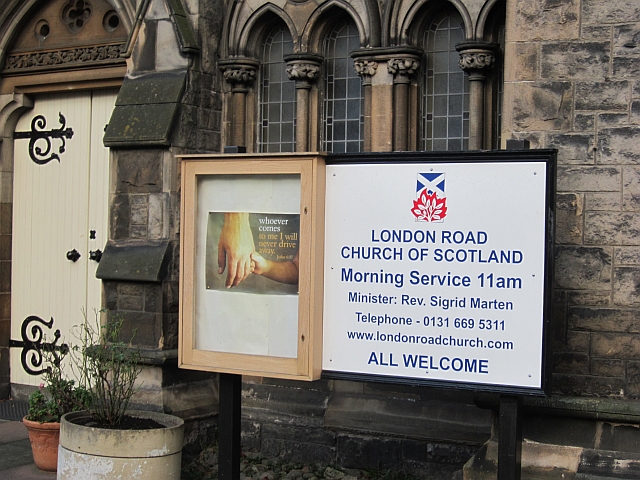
x: 32, y: 348
x: 37, y: 154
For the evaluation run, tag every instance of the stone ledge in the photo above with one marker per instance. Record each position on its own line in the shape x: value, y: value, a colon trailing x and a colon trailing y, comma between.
x: 605, y: 409
x: 134, y: 263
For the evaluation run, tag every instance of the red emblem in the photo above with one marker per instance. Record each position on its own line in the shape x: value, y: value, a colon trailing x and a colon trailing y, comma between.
x: 429, y: 208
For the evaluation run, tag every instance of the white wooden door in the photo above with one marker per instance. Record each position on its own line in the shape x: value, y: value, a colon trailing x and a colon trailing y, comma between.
x: 59, y: 206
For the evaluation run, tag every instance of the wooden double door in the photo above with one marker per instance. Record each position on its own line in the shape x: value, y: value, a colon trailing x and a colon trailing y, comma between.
x: 60, y: 219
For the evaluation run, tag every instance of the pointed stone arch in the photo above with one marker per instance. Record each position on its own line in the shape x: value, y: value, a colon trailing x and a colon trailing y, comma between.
x: 408, y: 16
x: 253, y: 30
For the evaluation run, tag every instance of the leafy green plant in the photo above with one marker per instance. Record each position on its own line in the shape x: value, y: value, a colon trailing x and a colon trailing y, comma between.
x: 42, y: 409
x: 108, y: 367
x: 57, y: 394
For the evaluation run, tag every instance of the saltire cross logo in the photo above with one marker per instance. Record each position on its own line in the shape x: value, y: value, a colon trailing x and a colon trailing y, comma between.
x: 430, y: 204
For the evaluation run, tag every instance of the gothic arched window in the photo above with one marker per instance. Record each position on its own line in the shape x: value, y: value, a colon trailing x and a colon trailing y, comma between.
x: 277, y: 95
x: 445, y: 86
x: 343, y: 101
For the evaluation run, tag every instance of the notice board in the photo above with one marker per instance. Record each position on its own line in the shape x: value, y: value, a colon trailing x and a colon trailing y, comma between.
x: 251, y: 264
x: 438, y: 268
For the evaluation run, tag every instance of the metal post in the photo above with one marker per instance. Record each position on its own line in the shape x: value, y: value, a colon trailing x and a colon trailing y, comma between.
x: 229, y: 427
x: 510, y: 438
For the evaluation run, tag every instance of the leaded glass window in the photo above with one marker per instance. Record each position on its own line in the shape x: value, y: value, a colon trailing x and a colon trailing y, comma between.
x: 445, y: 87
x: 343, y: 103
x: 277, y: 95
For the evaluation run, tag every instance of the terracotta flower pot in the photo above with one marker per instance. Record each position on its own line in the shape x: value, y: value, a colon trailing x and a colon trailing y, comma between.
x: 44, y: 439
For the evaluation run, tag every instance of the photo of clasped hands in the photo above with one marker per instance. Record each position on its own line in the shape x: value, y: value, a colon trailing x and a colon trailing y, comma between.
x: 237, y: 254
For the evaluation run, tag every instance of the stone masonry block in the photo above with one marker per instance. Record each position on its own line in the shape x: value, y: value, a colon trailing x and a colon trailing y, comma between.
x: 635, y: 112
x: 294, y: 433
x: 626, y: 39
x: 608, y: 201
x: 135, y: 304
x: 583, y: 268
x: 626, y: 67
x: 610, y: 120
x: 156, y: 218
x: 120, y: 217
x: 138, y: 231
x: 147, y: 328
x: 546, y: 20
x: 578, y: 341
x: 110, y: 296
x: 600, y: 33
x: 569, y: 209
x: 587, y: 385
x: 616, y: 345
x: 542, y: 106
x: 559, y: 321
x: 607, y: 368
x: 608, y: 95
x: 589, y: 179
x: 626, y: 286
x: 603, y: 320
x: 589, y: 298
x: 612, y: 228
x: 631, y: 188
x: 627, y: 255
x: 611, y: 11
x: 570, y: 362
x: 573, y: 61
x: 130, y: 288
x: 584, y: 122
x: 573, y: 148
x: 524, y: 64
x: 299, y: 452
x: 633, y: 379
x: 139, y: 171
x: 5, y: 304
x: 153, y: 298
x: 368, y: 452
x: 139, y: 214
x: 250, y: 435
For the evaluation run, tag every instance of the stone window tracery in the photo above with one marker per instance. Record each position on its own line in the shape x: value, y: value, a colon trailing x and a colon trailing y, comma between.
x: 277, y: 96
x: 76, y: 14
x: 445, y: 99
x: 343, y: 102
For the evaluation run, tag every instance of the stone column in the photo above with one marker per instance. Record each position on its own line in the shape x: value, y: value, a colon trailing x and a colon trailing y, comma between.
x: 477, y: 59
x: 366, y: 69
x: 303, y: 68
x: 240, y: 73
x: 402, y: 69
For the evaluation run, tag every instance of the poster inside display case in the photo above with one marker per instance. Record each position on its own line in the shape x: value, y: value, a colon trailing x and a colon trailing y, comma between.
x: 251, y: 275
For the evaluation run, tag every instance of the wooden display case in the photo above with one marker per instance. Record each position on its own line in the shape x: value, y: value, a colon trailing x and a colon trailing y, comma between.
x: 251, y: 264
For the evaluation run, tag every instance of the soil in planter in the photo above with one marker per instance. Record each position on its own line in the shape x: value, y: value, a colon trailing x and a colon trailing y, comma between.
x: 128, y: 423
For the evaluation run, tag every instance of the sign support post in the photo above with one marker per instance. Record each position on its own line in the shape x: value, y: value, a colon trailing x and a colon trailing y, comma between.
x: 230, y: 408
x: 510, y: 438
x: 229, y: 411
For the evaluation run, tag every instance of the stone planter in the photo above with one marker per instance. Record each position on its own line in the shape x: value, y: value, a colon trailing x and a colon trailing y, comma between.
x: 44, y: 443
x: 90, y: 453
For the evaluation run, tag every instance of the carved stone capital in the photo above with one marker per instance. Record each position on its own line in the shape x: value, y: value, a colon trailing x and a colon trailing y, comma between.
x: 303, y: 68
x: 402, y: 68
x: 477, y: 58
x: 240, y: 74
x: 301, y: 71
x: 366, y: 69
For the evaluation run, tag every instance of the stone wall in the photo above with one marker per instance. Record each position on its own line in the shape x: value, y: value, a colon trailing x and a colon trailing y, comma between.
x: 573, y: 83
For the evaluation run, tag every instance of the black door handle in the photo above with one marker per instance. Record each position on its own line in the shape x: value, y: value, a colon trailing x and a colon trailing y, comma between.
x: 73, y: 255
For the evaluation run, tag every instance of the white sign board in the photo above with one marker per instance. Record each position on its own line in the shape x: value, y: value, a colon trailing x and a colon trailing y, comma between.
x: 436, y: 271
